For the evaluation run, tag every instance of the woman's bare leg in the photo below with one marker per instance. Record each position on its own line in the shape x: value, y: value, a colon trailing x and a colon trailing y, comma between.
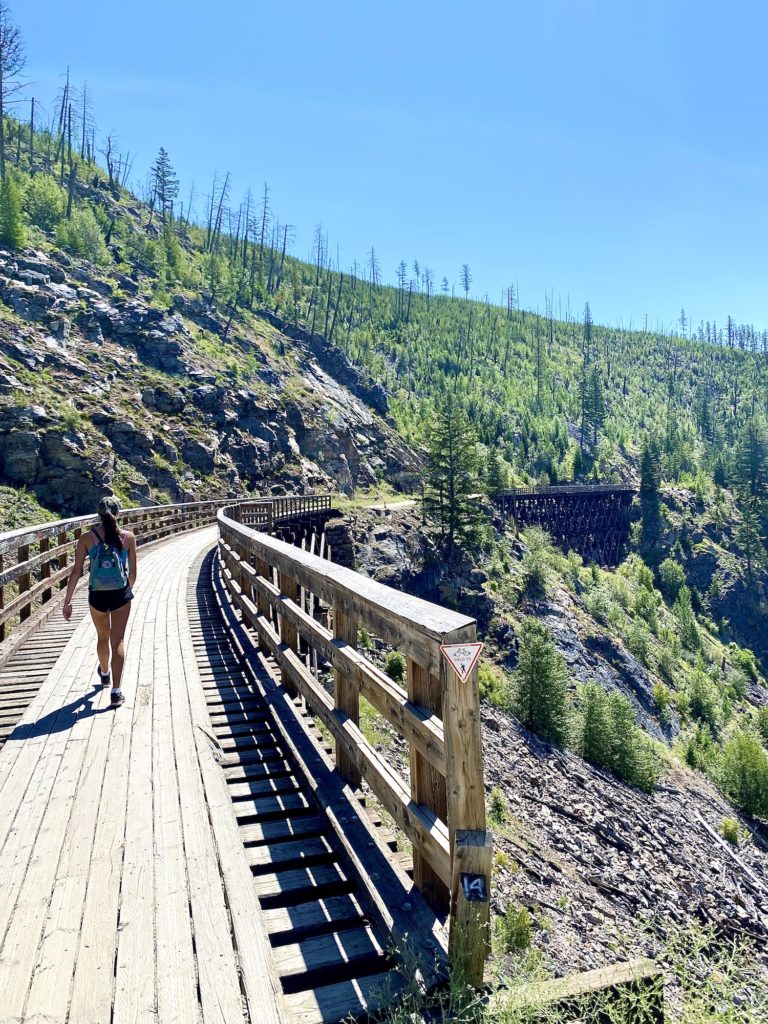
x: 118, y: 622
x: 101, y: 622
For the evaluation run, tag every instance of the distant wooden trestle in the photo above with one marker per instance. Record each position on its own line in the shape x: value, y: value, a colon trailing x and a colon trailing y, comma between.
x: 592, y: 520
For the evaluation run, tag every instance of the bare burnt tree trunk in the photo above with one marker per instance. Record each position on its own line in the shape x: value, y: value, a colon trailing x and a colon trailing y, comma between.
x: 32, y: 139
x: 336, y: 307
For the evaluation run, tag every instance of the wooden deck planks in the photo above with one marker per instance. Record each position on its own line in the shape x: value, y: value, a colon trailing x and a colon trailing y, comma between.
x: 111, y: 908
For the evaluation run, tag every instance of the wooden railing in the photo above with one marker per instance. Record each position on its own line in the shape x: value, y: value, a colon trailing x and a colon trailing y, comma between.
x: 556, y: 489
x: 262, y: 515
x: 442, y: 807
x: 35, y: 561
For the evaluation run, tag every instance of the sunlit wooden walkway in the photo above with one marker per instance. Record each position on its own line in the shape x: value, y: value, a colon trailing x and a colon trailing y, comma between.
x: 124, y: 887
x: 199, y: 854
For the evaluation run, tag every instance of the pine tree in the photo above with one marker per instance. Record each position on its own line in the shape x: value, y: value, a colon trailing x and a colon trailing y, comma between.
x: 750, y: 466
x: 594, y: 739
x: 12, y: 231
x: 689, y: 630
x: 452, y: 474
x: 496, y: 479
x: 750, y: 536
x: 164, y: 186
x: 650, y: 467
x: 541, y: 684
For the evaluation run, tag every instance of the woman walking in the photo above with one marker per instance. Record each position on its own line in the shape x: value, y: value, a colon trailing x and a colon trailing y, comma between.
x: 112, y: 554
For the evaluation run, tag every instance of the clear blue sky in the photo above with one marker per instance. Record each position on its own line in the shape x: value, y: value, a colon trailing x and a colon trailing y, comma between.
x: 603, y: 150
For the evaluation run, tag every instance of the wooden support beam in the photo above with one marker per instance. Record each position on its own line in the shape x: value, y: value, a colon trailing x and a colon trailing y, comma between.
x: 471, y: 845
x: 637, y: 985
x: 427, y: 783
x: 288, y: 635
x: 345, y: 692
x: 22, y: 555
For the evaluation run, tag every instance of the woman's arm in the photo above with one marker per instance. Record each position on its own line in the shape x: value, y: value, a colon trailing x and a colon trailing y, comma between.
x: 77, y: 571
x: 132, y: 561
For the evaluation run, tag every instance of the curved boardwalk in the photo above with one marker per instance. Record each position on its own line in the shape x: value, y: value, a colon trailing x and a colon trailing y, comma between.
x: 195, y: 855
x: 125, y: 890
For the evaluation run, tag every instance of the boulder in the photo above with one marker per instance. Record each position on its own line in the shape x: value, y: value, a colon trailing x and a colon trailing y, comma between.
x: 20, y: 456
x: 198, y: 455
x: 207, y: 397
x: 171, y: 402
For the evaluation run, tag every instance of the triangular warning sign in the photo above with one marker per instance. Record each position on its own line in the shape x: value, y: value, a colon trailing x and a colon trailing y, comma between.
x: 462, y: 657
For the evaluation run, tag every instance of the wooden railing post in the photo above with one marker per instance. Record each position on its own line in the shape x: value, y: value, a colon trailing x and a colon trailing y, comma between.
x: 45, y: 569
x: 63, y: 557
x: 289, y: 588
x: 24, y: 581
x: 2, y: 603
x: 471, y: 845
x: 427, y: 784
x: 263, y: 570
x: 345, y: 692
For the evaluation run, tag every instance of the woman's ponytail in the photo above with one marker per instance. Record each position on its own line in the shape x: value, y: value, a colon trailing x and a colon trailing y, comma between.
x: 111, y: 532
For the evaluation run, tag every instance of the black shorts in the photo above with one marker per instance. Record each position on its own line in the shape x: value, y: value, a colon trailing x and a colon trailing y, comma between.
x: 109, y: 600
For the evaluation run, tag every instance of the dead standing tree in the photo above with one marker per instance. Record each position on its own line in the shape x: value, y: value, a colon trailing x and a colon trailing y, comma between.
x: 12, y: 62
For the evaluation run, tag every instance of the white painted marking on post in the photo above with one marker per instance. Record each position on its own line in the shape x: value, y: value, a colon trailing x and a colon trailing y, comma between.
x: 462, y: 658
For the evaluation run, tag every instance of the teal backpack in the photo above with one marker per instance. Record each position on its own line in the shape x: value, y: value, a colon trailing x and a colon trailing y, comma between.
x: 108, y: 567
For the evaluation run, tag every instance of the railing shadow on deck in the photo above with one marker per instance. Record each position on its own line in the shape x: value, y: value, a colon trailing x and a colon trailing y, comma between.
x: 275, y: 587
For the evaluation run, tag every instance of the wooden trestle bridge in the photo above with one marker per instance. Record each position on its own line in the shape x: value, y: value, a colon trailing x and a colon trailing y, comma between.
x: 591, y: 519
x: 206, y: 853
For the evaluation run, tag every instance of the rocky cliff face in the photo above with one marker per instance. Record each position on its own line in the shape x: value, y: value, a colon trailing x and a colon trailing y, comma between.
x: 101, y: 389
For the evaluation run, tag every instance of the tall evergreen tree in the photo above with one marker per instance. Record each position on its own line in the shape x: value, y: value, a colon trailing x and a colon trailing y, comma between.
x: 496, y: 479
x: 749, y: 534
x: 164, y: 186
x: 750, y: 464
x: 452, y: 473
x: 650, y: 466
x: 541, y: 684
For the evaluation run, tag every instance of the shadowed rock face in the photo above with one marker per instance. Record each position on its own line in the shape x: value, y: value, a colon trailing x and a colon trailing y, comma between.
x: 132, y: 400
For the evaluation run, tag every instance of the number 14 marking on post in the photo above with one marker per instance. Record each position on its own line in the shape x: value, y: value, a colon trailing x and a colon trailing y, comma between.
x: 462, y: 658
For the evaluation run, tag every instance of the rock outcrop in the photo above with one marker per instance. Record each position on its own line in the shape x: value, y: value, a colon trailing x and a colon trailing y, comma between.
x: 157, y: 404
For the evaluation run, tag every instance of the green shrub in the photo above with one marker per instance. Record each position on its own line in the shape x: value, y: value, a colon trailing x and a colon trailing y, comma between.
x: 689, y: 630
x: 638, y: 642
x: 541, y: 684
x: 498, y: 809
x: 81, y: 235
x: 671, y: 578
x: 646, y: 606
x: 729, y: 830
x: 662, y: 697
x: 609, y: 737
x: 45, y: 202
x: 667, y: 665
x: 743, y: 773
x: 536, y: 560
x: 762, y: 724
x: 493, y: 686
x: 705, y: 699
x: 363, y: 639
x: 12, y: 231
x: 700, y: 751
x: 602, y: 606
x: 745, y: 660
x: 514, y: 930
x: 394, y: 666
